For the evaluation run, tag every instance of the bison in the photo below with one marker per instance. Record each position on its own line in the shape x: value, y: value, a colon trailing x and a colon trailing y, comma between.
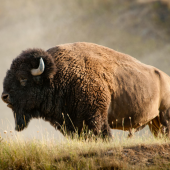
x: 84, y: 83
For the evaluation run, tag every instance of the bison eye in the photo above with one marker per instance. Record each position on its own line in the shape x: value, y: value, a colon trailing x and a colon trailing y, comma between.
x: 23, y: 82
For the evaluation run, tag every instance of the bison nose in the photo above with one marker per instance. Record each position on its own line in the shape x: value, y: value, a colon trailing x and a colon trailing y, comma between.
x: 5, y: 97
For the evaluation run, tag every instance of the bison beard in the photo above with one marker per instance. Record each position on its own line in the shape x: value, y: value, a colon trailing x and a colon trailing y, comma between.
x: 84, y: 83
x: 22, y: 120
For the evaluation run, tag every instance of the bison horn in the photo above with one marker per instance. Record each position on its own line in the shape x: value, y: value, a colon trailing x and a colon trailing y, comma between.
x: 39, y: 70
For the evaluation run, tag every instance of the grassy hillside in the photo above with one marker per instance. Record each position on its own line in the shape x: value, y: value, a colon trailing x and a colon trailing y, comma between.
x: 129, y: 26
x: 119, y: 153
x: 166, y: 2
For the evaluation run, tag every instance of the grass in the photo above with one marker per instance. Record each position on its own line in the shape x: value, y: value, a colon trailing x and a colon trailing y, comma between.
x: 75, y: 153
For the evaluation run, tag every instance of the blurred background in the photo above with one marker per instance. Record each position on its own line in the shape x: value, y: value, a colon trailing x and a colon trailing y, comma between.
x: 140, y: 28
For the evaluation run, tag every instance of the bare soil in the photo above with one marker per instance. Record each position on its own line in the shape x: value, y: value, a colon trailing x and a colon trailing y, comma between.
x: 140, y: 157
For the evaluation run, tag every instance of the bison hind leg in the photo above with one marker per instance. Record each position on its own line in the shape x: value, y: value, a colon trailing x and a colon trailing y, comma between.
x: 131, y: 131
x: 155, y: 127
x: 130, y: 135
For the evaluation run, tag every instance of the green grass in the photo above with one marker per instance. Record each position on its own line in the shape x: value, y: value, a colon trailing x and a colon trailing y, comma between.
x: 76, y: 153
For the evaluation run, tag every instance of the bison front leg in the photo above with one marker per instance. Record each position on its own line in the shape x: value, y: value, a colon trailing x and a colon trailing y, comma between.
x: 98, y: 123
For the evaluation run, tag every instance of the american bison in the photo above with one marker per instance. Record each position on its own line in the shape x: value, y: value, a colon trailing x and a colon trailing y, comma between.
x: 85, y: 83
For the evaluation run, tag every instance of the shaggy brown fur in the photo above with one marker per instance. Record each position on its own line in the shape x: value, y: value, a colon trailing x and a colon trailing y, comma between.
x: 85, y: 82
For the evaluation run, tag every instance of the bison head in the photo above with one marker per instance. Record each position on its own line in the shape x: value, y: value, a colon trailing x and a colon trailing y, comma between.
x: 25, y: 83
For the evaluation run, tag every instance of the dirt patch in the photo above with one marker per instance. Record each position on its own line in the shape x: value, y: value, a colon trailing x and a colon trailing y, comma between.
x: 143, y: 157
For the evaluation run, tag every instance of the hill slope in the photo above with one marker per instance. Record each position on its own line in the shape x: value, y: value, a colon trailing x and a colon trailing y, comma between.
x: 139, y: 29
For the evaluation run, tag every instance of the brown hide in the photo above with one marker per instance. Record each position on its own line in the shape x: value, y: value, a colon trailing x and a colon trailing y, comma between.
x: 135, y: 91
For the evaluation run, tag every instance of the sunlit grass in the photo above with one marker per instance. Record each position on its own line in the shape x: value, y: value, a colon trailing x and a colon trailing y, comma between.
x: 75, y: 152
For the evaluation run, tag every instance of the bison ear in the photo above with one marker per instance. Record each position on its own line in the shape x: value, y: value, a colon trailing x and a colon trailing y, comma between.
x: 38, y: 80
